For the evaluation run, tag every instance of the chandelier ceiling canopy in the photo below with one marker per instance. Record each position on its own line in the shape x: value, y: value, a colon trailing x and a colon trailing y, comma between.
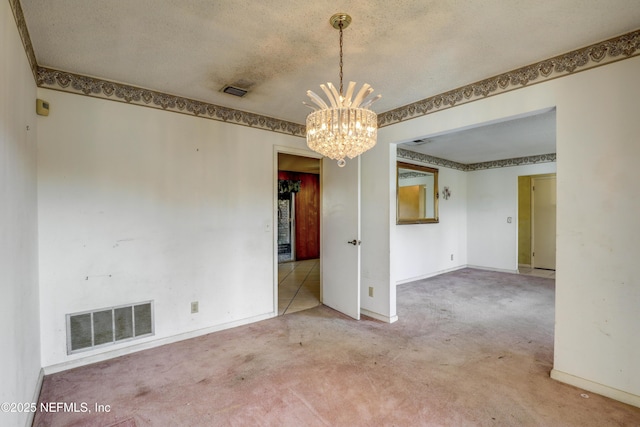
x: 344, y: 127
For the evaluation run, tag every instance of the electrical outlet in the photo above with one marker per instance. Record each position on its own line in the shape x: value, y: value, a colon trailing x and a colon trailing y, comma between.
x: 371, y: 291
x: 194, y: 307
x: 451, y: 257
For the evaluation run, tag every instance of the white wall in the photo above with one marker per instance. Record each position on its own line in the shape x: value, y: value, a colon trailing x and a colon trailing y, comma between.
x: 19, y: 307
x: 424, y: 250
x: 138, y: 204
x: 492, y: 198
x: 376, y: 216
x: 598, y: 228
x: 473, y: 224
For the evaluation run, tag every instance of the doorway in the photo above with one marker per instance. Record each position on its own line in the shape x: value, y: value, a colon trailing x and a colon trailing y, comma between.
x: 537, y: 222
x: 543, y: 222
x: 298, y: 233
x: 298, y: 209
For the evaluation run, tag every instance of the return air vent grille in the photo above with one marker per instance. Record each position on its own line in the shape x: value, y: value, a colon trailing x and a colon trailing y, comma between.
x: 106, y: 326
x: 234, y: 90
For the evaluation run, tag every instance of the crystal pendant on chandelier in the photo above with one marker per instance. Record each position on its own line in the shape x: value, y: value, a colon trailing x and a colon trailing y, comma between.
x: 345, y: 127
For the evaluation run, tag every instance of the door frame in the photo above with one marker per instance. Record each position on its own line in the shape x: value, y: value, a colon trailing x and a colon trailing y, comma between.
x: 532, y: 249
x: 519, y: 236
x: 274, y: 216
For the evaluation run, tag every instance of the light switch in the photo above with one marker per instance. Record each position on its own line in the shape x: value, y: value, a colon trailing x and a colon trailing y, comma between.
x: 509, y: 220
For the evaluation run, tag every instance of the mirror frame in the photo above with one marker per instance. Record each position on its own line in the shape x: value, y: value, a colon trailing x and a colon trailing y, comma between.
x: 419, y: 168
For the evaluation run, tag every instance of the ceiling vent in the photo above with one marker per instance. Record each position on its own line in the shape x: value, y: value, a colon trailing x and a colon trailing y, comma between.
x: 420, y: 141
x: 235, y: 91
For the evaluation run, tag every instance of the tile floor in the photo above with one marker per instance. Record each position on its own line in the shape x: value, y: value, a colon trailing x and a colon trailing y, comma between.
x: 298, y: 285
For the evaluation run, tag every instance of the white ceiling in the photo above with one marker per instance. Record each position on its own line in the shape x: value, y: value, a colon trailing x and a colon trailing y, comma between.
x: 278, y: 49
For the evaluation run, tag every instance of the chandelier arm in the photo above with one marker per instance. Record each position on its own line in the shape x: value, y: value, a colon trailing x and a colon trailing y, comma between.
x: 368, y: 102
x: 338, y: 96
x: 313, y: 107
x: 334, y: 102
x: 347, y: 97
x: 364, y: 92
x: 315, y: 98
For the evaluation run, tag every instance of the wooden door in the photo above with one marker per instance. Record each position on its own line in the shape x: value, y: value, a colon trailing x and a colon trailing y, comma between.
x: 306, y: 227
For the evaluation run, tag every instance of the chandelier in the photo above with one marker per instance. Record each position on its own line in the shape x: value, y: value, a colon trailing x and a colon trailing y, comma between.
x: 345, y: 127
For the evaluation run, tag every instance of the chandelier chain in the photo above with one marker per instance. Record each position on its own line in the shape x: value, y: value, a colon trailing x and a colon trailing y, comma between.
x: 341, y: 24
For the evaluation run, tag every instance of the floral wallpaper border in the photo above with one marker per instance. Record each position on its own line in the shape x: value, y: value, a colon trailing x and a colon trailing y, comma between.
x: 436, y: 161
x: 16, y: 7
x: 69, y: 82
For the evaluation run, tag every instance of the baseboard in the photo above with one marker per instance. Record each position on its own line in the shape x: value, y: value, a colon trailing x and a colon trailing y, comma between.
x: 499, y: 270
x: 432, y: 274
x: 52, y: 369
x: 449, y: 270
x: 601, y: 389
x: 36, y: 397
x: 378, y: 316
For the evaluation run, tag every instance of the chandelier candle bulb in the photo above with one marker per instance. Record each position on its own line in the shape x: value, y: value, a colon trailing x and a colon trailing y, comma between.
x: 342, y: 128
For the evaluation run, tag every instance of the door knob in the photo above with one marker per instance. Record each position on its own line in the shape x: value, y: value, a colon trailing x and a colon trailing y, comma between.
x: 354, y: 242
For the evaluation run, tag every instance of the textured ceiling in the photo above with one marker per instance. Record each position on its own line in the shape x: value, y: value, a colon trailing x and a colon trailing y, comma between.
x: 406, y: 50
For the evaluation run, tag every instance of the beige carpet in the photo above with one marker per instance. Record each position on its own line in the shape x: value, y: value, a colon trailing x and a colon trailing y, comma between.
x: 471, y: 348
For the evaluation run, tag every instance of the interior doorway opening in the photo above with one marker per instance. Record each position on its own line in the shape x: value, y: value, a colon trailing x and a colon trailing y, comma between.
x: 537, y: 223
x: 298, y: 233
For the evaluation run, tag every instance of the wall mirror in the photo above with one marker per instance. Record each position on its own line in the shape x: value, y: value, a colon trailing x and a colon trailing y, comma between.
x: 417, y: 194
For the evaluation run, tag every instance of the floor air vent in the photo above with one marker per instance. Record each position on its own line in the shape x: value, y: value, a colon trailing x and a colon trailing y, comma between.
x: 106, y: 326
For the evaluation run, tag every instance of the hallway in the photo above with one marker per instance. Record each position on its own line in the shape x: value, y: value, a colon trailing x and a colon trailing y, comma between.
x: 298, y: 285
